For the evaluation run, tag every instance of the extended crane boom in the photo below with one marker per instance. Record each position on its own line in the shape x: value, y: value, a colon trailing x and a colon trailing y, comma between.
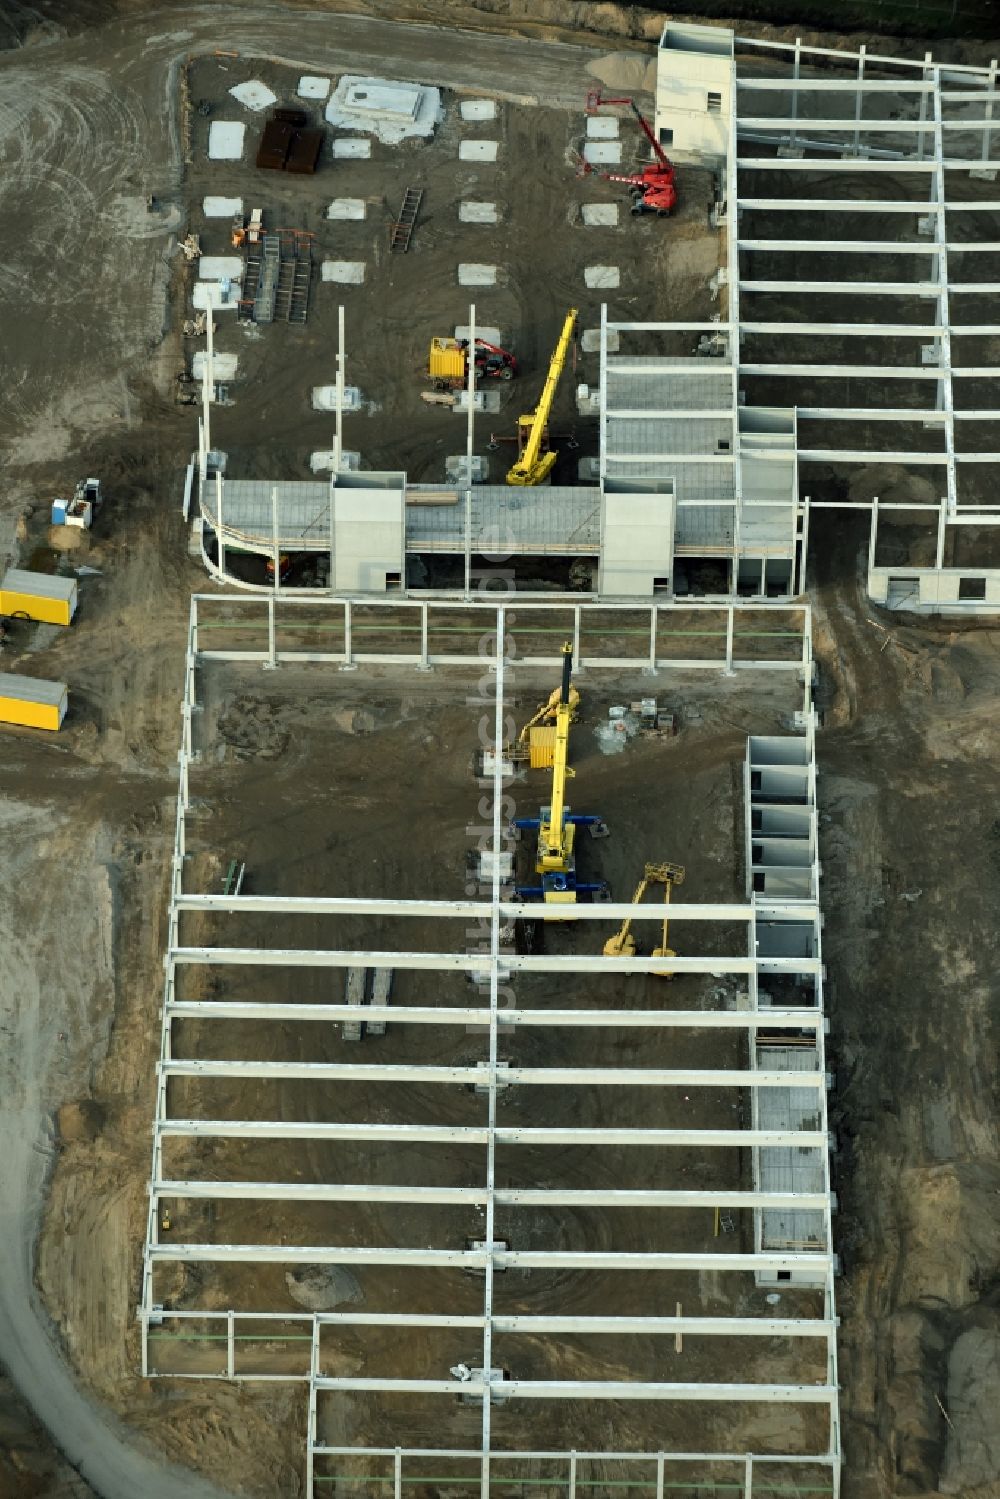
x: 534, y: 465
x: 555, y: 859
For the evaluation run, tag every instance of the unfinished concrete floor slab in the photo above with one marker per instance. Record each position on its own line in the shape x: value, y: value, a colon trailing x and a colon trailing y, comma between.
x: 477, y: 213
x: 471, y: 273
x: 478, y: 109
x: 392, y: 111
x: 478, y: 150
x: 351, y: 148
x: 225, y: 140
x: 254, y: 95
x: 599, y: 215
x: 346, y: 272
x: 602, y: 277
x: 347, y: 208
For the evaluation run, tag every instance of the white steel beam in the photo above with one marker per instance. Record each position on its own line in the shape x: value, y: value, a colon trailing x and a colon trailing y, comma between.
x: 557, y: 1259
x: 708, y: 1327
x: 273, y: 1191
x: 466, y: 910
x: 845, y: 288
x: 404, y: 1134
x: 545, y: 1077
x: 513, y: 1389
x: 832, y: 85
x: 257, y: 957
x: 836, y: 247
x: 223, y: 1009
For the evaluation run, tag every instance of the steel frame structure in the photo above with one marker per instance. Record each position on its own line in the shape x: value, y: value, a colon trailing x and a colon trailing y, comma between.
x: 755, y: 962
x: 853, y: 121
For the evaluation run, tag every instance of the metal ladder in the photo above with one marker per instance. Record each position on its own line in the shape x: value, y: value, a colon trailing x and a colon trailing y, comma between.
x: 268, y: 284
x: 402, y: 229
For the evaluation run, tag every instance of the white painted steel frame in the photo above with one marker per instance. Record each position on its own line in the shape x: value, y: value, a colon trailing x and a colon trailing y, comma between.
x: 492, y: 1074
x: 872, y: 148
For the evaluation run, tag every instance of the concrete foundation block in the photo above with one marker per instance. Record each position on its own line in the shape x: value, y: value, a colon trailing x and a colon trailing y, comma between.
x: 478, y: 109
x: 470, y: 273
x: 345, y: 272
x: 602, y: 277
x: 347, y: 208
x: 590, y: 340
x: 310, y: 87
x: 603, y: 153
x: 477, y: 213
x: 602, y: 128
x: 603, y: 215
x: 456, y: 468
x: 478, y: 150
x: 351, y: 148
x: 324, y: 398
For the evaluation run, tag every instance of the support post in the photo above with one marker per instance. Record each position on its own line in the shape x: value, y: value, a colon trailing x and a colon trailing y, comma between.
x: 727, y: 670
x: 795, y: 93
x: 660, y: 1464
x: 988, y: 130
x: 857, y: 100
x: 231, y: 1345
x: 276, y: 549
x: 804, y: 553
x: 219, y: 539
x: 572, y: 1475
x: 272, y: 658
x: 338, y: 436
x: 470, y: 395
x: 942, y: 520
x: 397, y: 1473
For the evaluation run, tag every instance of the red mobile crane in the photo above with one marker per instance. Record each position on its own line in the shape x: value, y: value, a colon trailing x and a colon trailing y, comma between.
x: 653, y: 187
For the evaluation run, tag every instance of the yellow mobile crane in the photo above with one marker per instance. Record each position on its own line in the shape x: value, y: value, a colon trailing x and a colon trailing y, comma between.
x: 622, y: 944
x: 554, y: 858
x: 534, y: 465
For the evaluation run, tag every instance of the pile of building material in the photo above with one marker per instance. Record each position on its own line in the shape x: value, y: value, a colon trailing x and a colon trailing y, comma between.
x: 289, y: 143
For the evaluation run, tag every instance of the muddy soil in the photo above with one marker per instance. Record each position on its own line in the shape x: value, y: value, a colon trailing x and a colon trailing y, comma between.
x: 906, y: 755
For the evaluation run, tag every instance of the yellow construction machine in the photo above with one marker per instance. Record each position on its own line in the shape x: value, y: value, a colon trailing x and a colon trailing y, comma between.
x: 536, y: 459
x: 622, y: 944
x: 555, y: 860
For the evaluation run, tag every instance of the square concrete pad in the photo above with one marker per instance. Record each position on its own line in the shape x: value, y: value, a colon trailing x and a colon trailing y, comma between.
x: 479, y: 109
x: 471, y: 274
x: 205, y: 294
x: 346, y: 208
x: 606, y: 153
x: 214, y: 267
x: 351, y: 148
x: 478, y: 151
x: 483, y: 330
x: 311, y: 87
x: 601, y: 128
x: 599, y: 213
x: 254, y: 95
x: 221, y: 208
x: 223, y: 365
x: 604, y: 276
x: 324, y: 398
x: 225, y: 140
x: 590, y: 340
x: 347, y: 272
x: 477, y: 213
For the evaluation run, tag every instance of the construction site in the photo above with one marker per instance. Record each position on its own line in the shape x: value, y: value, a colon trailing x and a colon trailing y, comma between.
x: 478, y: 686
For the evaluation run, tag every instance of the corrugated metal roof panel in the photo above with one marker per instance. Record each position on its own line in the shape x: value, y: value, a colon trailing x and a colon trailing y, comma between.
x: 32, y: 689
x: 42, y: 585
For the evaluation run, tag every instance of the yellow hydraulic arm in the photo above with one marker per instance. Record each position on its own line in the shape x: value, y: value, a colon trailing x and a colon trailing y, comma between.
x: 534, y: 466
x: 622, y: 944
x: 555, y: 835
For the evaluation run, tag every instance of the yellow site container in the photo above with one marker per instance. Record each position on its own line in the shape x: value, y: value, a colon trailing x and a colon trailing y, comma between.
x: 542, y: 748
x: 38, y: 596
x: 447, y: 359
x: 33, y: 702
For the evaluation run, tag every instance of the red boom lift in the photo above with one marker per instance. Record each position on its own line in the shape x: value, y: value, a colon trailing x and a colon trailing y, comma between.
x: 653, y: 187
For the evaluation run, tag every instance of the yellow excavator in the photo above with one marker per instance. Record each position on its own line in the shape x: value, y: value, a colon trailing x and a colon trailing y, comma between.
x: 622, y: 944
x: 537, y: 460
x: 536, y: 742
x: 555, y: 860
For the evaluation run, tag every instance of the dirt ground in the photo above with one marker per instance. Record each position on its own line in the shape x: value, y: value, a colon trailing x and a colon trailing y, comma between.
x: 906, y: 755
x: 540, y: 248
